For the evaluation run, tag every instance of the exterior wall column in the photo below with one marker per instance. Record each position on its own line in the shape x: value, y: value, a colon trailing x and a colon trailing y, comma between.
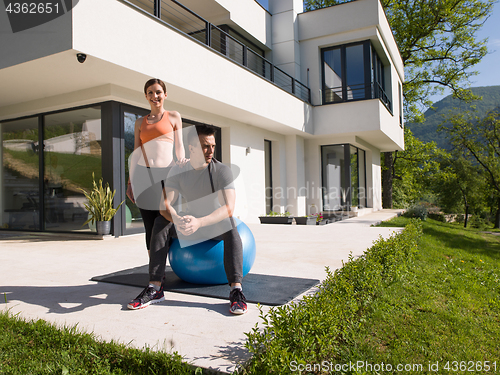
x: 285, y: 35
x: 2, y: 187
x: 374, y: 182
x: 295, y: 176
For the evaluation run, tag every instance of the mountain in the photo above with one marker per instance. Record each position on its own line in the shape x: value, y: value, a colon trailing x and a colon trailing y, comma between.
x: 434, y: 116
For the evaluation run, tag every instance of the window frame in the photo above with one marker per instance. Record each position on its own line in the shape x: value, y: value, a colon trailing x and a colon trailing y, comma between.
x: 374, y: 72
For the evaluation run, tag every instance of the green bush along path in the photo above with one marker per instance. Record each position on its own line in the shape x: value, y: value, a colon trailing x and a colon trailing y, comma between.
x: 431, y: 308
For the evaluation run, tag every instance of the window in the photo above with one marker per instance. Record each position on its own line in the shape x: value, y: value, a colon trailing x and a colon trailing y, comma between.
x: 353, y: 72
x: 343, y: 177
x: 40, y: 187
x: 72, y: 154
x: 400, y: 97
x: 19, y: 179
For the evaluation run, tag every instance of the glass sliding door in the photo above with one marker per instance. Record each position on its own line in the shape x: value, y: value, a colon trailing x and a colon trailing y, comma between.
x: 72, y: 154
x: 19, y: 175
x: 133, y: 219
x: 362, y: 193
x: 354, y: 176
x: 343, y: 177
x: 334, y: 181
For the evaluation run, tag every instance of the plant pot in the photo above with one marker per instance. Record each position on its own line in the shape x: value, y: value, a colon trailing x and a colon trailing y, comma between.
x: 103, y: 227
x: 305, y: 220
x: 322, y: 222
x: 276, y: 219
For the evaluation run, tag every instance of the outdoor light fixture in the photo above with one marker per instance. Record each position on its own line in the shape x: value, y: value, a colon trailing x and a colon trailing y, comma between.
x: 248, y: 150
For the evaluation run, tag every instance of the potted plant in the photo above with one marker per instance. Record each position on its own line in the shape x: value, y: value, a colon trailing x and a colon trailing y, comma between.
x: 276, y: 218
x: 305, y: 220
x: 100, y: 206
x: 320, y: 220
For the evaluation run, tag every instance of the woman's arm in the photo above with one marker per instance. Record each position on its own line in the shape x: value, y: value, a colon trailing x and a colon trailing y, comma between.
x: 137, y: 144
x: 176, y: 121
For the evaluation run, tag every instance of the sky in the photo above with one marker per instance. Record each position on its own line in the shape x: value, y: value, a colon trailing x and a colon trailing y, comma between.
x: 489, y: 67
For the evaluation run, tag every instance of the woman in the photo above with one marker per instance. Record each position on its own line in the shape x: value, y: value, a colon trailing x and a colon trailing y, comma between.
x: 156, y: 137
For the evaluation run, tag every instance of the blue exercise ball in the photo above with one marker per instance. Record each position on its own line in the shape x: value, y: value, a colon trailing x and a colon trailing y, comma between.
x: 203, y: 263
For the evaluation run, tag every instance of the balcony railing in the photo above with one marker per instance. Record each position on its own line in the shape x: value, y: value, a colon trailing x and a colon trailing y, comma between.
x: 190, y: 23
x: 356, y: 92
x: 380, y: 93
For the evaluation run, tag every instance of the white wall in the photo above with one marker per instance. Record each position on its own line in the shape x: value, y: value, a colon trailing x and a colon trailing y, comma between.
x: 285, y: 35
x: 368, y: 119
x: 251, y: 17
x: 250, y: 185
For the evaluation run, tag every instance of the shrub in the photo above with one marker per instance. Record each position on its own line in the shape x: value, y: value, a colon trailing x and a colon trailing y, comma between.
x: 310, y: 330
x: 478, y: 222
x: 438, y: 216
x: 419, y: 212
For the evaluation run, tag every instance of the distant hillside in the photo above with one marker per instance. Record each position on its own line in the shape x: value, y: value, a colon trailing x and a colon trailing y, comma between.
x: 427, y: 131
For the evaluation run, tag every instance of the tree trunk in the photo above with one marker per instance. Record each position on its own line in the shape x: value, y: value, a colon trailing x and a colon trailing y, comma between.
x: 387, y: 180
x: 497, y: 216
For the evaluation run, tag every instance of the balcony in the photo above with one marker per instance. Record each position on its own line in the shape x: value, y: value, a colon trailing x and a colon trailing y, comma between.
x: 357, y: 92
x: 196, y: 27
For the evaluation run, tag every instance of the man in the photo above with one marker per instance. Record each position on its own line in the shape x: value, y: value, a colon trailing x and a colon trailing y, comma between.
x: 207, y: 186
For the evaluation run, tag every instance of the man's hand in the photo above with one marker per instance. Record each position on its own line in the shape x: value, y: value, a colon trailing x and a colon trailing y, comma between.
x: 190, y: 224
x: 182, y: 162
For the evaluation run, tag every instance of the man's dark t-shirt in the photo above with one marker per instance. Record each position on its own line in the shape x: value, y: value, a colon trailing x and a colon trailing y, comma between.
x: 199, y: 200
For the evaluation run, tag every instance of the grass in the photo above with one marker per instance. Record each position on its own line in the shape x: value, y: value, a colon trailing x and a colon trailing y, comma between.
x: 445, y: 309
x: 37, y: 347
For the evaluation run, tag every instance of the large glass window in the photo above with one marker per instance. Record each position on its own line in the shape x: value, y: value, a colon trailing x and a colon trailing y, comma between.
x: 72, y: 154
x: 353, y: 72
x: 332, y: 76
x: 133, y: 219
x: 19, y: 175
x: 334, y: 181
x: 343, y: 177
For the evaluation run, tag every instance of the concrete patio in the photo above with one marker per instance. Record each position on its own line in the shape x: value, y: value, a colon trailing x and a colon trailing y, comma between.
x: 47, y: 277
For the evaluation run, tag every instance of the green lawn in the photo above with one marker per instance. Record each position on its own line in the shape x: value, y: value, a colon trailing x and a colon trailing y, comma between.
x: 37, y: 347
x: 444, y: 314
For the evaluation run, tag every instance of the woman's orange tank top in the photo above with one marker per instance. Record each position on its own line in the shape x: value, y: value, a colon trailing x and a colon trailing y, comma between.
x: 162, y: 128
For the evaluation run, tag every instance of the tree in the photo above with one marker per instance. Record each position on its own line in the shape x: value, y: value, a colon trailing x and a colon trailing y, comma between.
x: 416, y: 166
x: 479, y: 139
x: 459, y: 185
x: 438, y: 45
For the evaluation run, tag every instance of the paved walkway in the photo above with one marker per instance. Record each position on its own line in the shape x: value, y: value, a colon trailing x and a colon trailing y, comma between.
x: 48, y: 278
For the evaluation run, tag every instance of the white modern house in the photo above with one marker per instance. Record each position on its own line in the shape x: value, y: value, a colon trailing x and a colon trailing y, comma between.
x: 305, y: 102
